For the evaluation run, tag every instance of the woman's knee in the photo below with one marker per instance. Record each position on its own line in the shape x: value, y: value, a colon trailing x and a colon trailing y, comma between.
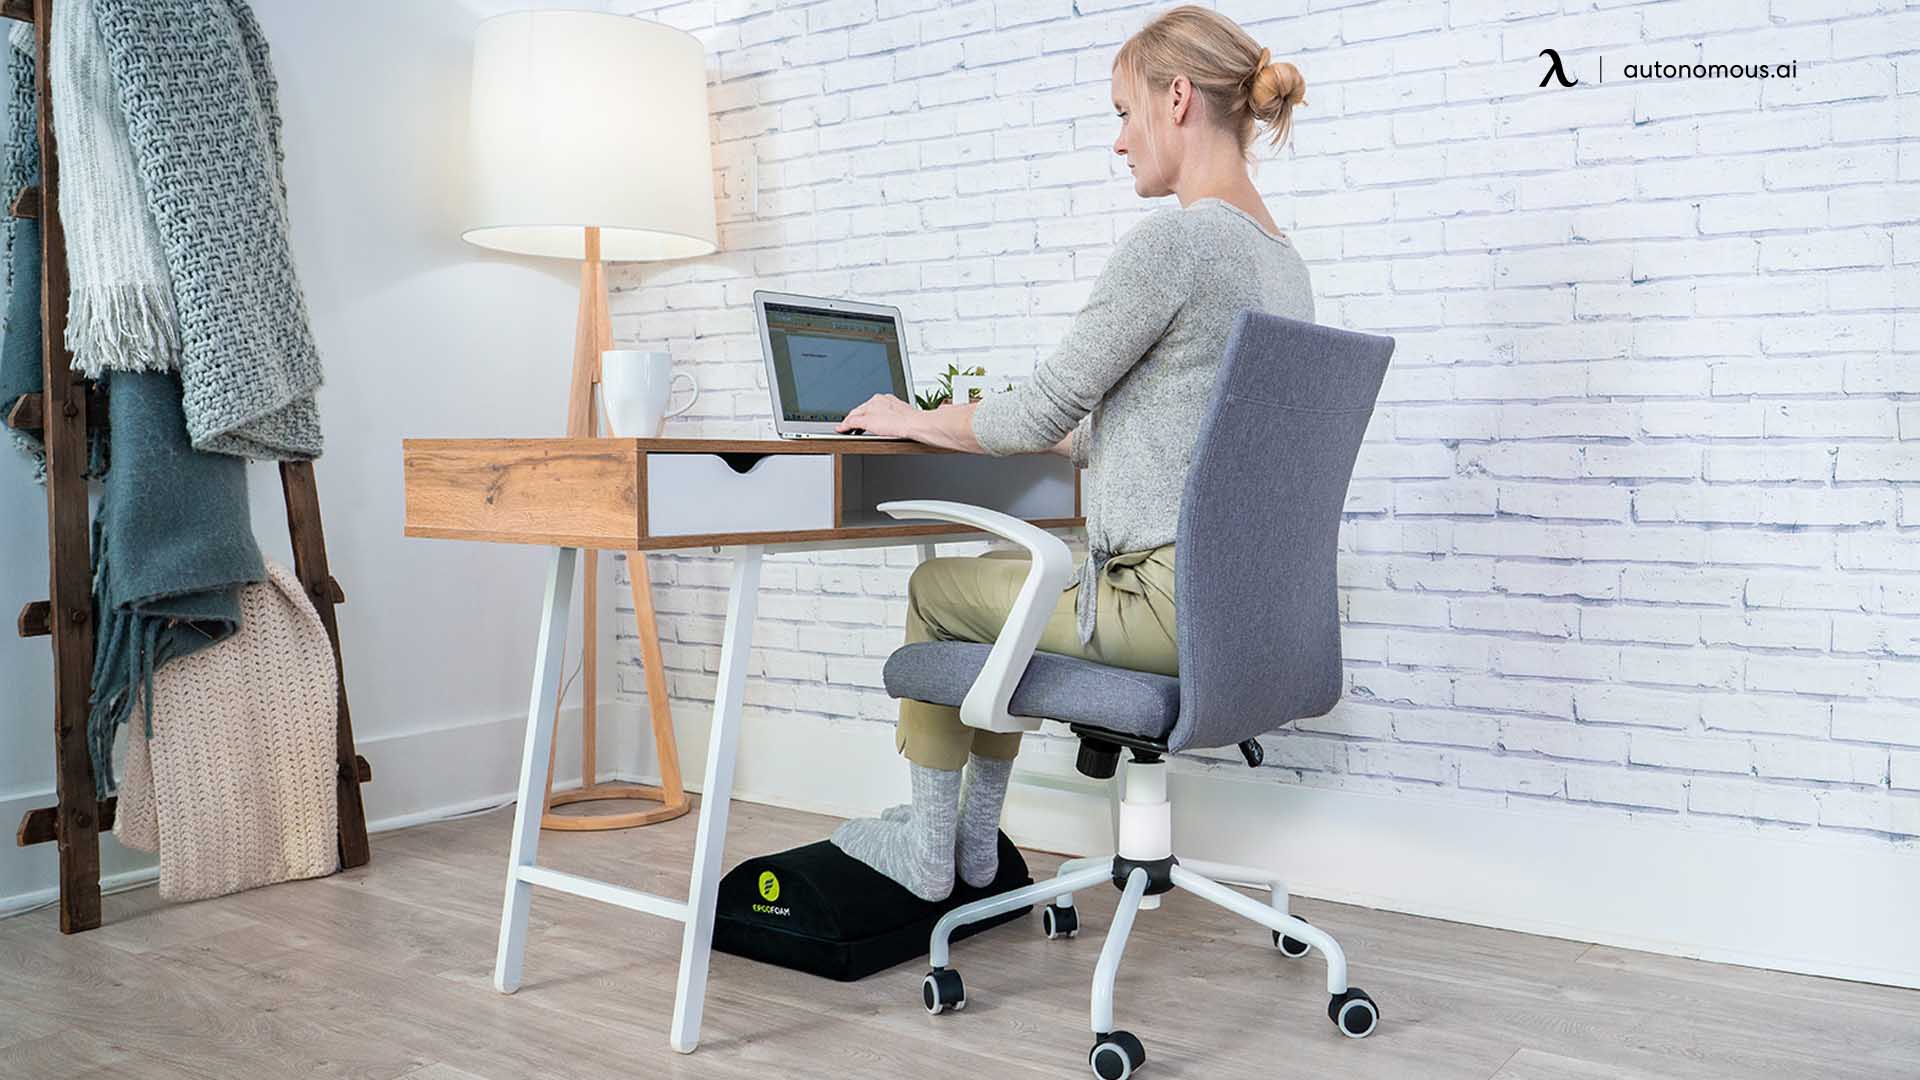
x: 921, y: 580
x: 923, y: 584
x: 934, y: 587
x: 936, y: 581
x: 941, y: 573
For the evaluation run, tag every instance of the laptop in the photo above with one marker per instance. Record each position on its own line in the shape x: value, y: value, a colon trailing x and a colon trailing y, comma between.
x: 825, y: 356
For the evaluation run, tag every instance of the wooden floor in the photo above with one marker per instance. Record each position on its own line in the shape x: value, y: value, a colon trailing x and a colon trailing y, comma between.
x: 384, y: 972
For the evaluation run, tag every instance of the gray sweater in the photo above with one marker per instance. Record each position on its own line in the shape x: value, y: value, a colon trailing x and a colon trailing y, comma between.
x: 1134, y: 375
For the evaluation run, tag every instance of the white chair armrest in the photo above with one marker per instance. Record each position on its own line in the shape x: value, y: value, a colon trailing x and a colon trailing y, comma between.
x: 985, y: 705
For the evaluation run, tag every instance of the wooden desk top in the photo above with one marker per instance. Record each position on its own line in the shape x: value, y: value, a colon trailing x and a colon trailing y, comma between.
x: 696, y: 446
x: 593, y: 492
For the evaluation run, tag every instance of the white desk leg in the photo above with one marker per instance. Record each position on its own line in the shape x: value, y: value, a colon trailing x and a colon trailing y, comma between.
x: 533, y: 769
x: 697, y: 945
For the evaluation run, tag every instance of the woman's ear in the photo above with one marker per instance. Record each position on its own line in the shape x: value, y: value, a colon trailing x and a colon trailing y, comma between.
x: 1181, y: 91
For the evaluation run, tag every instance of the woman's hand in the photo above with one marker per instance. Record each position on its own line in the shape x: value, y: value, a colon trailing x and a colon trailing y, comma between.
x: 884, y: 414
x: 950, y: 426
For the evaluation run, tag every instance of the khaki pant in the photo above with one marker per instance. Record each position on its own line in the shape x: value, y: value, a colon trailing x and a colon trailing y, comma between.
x: 967, y: 599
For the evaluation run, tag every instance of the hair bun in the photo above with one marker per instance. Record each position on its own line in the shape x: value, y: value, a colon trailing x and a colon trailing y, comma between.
x: 1269, y: 89
x: 1293, y: 84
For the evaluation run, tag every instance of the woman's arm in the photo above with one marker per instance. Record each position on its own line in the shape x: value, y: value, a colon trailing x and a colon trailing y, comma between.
x: 949, y: 426
x: 1139, y: 291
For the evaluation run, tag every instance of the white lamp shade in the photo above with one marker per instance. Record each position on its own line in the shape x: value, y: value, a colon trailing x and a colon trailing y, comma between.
x: 587, y: 119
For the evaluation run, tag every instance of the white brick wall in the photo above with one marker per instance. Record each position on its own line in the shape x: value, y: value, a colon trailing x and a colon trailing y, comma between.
x: 1636, y: 528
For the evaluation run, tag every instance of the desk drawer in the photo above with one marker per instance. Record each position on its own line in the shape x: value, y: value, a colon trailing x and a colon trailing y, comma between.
x: 702, y: 494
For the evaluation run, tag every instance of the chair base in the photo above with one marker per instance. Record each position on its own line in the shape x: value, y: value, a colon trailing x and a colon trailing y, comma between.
x: 1143, y: 869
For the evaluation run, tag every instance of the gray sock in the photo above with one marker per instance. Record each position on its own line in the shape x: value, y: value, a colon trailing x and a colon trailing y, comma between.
x: 979, y: 832
x: 919, y: 851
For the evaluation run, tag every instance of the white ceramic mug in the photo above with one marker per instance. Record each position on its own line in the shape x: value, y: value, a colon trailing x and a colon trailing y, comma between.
x: 635, y: 385
x: 965, y: 385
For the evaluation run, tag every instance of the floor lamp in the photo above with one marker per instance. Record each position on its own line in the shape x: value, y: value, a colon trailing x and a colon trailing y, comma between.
x: 587, y: 139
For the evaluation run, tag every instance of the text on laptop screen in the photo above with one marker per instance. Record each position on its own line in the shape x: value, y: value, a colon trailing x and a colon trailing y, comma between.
x: 830, y: 361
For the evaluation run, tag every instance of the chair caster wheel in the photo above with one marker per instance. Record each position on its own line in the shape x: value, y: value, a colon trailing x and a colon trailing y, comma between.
x: 1059, y: 922
x: 941, y: 990
x: 1354, y: 1013
x: 1116, y: 1055
x: 1291, y: 948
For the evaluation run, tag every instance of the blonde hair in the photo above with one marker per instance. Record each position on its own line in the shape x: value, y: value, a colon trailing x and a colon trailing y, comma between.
x: 1222, y: 62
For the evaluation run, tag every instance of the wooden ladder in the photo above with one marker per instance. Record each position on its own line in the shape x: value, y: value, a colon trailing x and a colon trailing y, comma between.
x: 62, y: 413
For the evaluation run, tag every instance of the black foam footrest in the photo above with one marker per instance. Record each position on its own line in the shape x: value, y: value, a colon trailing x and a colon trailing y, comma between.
x: 819, y: 910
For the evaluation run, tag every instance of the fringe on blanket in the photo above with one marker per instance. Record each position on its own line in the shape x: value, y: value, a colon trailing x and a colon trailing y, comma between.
x: 122, y: 328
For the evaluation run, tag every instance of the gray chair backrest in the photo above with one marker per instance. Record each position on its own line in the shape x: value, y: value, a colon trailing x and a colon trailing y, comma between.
x: 1256, y: 604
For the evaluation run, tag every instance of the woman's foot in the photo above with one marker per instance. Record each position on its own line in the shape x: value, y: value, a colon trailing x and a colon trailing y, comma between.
x: 917, y: 852
x: 977, y: 840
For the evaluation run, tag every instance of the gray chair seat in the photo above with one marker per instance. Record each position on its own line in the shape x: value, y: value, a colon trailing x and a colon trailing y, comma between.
x: 1057, y: 687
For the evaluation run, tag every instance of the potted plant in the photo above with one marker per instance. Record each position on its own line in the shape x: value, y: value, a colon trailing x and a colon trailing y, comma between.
x: 943, y: 393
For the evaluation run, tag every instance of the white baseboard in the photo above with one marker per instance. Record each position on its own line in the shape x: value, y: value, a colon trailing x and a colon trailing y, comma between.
x: 1816, y: 906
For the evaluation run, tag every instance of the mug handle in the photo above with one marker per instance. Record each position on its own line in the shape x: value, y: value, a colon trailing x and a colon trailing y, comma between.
x: 694, y: 386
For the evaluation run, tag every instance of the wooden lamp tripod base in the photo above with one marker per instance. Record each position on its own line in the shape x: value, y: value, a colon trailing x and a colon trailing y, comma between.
x: 593, y: 334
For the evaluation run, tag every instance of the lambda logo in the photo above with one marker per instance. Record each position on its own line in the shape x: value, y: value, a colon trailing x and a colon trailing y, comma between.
x: 1555, y: 71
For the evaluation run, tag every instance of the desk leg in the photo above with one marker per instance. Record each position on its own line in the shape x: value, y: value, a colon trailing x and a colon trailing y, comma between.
x: 696, y: 946
x: 548, y: 661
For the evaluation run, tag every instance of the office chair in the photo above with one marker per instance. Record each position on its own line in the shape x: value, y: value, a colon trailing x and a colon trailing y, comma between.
x: 1259, y: 646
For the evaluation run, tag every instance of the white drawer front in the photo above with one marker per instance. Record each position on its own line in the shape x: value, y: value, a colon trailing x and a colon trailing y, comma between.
x: 695, y: 494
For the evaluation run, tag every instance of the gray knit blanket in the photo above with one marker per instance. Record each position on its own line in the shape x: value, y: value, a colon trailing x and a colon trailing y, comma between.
x: 196, y: 85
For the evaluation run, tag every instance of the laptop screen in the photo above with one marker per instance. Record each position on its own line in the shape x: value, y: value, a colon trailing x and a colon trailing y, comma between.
x: 827, y: 362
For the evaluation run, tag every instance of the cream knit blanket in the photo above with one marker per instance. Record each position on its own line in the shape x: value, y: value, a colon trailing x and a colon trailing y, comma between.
x: 236, y: 788
x: 120, y: 311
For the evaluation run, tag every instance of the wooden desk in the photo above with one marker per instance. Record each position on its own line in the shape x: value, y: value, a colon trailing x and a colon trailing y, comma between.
x: 746, y: 496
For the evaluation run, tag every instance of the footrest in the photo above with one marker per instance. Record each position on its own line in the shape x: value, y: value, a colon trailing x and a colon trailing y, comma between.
x: 819, y: 910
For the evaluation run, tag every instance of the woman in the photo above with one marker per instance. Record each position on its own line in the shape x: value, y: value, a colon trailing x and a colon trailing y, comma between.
x: 1122, y: 396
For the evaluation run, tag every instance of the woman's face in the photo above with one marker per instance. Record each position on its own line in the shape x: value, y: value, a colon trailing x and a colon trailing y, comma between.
x: 1150, y: 174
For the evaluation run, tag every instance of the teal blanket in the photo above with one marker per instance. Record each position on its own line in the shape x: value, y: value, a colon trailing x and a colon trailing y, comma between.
x: 172, y: 545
